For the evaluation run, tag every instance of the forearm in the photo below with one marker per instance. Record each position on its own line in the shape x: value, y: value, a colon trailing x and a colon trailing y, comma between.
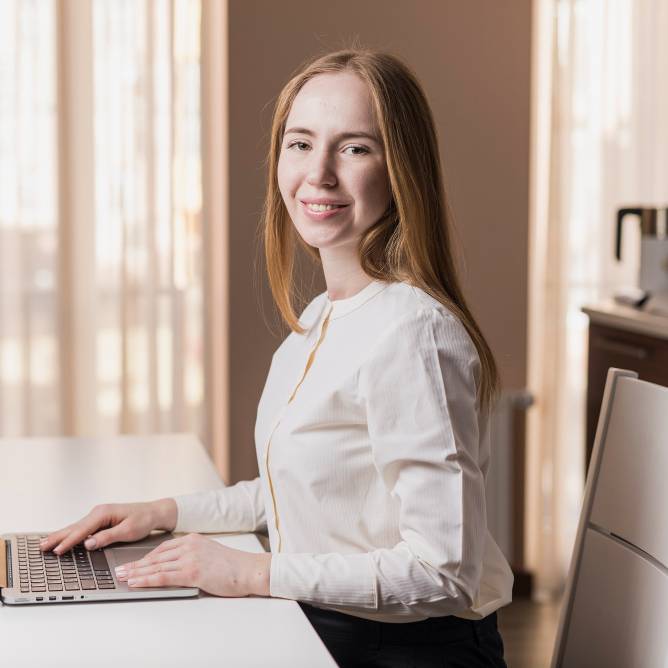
x: 392, y: 581
x: 165, y: 514
x: 239, y: 507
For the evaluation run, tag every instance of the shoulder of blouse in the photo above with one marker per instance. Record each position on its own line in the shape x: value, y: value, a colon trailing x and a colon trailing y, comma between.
x: 428, y: 331
x: 413, y: 303
x: 410, y: 311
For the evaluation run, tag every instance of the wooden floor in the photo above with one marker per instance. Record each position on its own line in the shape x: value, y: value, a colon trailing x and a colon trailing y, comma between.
x: 528, y: 630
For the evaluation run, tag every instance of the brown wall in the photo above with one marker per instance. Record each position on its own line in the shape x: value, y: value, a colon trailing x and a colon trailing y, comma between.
x: 473, y: 58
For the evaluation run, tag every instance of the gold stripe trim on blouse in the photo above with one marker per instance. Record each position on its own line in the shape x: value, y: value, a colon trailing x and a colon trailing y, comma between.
x: 309, y: 362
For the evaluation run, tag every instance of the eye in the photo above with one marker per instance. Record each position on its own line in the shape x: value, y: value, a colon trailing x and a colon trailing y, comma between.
x: 299, y: 144
x: 359, y: 150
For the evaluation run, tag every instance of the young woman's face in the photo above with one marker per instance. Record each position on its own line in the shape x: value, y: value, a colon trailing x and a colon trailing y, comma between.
x: 332, y: 154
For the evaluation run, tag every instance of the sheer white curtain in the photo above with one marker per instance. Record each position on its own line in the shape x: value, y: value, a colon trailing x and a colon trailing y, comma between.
x: 148, y: 203
x: 102, y: 313
x: 29, y: 368
x: 600, y: 142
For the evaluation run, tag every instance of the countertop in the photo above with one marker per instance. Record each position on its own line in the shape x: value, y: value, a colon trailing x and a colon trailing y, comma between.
x: 612, y: 314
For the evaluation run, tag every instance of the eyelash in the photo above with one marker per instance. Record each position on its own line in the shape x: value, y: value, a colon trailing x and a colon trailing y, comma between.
x: 362, y: 148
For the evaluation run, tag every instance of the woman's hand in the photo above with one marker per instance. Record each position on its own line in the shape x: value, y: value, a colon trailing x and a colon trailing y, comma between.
x: 124, y: 522
x: 196, y: 561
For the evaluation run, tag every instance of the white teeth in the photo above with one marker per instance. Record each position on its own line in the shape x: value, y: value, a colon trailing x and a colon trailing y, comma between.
x: 323, y: 207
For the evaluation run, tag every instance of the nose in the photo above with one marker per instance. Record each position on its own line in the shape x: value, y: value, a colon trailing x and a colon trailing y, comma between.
x: 321, y: 170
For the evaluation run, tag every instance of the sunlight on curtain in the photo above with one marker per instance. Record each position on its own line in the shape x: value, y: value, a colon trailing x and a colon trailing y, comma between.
x: 608, y: 90
x: 28, y: 219
x: 148, y: 215
x: 147, y: 282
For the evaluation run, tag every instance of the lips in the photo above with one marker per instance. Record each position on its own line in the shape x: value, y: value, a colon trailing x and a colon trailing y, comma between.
x: 322, y: 215
x: 323, y: 200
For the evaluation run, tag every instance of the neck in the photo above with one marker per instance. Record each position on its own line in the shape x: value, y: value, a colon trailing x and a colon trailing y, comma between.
x: 343, y: 273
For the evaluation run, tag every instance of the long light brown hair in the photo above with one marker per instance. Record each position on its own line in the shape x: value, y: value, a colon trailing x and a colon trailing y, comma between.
x: 411, y: 242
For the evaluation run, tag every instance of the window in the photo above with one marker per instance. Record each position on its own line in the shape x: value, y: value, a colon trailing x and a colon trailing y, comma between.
x: 138, y: 256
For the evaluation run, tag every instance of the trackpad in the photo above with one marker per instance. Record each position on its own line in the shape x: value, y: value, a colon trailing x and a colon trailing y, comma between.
x: 122, y: 555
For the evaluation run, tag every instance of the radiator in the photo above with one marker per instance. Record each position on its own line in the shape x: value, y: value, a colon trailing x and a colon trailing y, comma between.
x: 501, y: 488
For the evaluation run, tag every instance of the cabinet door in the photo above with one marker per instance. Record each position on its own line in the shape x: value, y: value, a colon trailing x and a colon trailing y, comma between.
x: 611, y: 347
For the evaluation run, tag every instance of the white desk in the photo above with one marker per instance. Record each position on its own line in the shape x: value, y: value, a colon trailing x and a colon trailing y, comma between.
x: 47, y: 483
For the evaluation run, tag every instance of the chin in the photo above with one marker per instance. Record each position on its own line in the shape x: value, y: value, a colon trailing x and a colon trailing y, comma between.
x: 325, y: 239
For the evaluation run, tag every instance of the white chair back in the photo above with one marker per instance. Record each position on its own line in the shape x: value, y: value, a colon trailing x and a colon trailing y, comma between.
x: 615, y: 608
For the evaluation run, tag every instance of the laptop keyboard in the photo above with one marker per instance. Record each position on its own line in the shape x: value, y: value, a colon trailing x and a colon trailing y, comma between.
x: 75, y: 570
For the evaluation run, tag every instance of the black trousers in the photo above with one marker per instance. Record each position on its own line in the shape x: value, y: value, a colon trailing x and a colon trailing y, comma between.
x: 443, y: 642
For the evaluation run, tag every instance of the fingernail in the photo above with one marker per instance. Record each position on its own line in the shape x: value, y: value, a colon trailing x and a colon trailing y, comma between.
x: 91, y: 543
x: 132, y: 582
x: 121, y: 572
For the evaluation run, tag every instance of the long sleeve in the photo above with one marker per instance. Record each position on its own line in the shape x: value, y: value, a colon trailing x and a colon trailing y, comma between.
x: 239, y: 507
x: 419, y: 391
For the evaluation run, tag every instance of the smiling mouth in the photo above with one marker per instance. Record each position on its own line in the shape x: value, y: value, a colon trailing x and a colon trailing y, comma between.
x: 317, y: 208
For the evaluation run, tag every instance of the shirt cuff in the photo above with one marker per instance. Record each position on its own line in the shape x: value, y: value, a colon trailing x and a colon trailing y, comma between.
x: 227, y: 509
x: 330, y: 579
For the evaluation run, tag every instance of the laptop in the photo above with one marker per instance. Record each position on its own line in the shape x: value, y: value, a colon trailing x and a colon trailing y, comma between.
x: 28, y: 575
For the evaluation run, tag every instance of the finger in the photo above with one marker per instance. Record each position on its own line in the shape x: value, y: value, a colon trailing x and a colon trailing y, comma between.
x: 151, y: 569
x: 54, y: 538
x: 78, y: 533
x: 167, y: 579
x: 164, y: 557
x: 105, y: 537
x: 164, y: 546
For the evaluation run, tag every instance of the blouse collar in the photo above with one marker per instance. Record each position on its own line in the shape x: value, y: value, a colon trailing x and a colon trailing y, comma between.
x: 341, y: 307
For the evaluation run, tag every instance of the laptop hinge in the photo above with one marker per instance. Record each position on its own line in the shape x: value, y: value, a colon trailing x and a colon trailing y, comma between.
x: 4, y: 559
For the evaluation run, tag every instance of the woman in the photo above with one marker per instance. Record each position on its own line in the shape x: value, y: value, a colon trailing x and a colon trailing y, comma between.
x: 372, y: 430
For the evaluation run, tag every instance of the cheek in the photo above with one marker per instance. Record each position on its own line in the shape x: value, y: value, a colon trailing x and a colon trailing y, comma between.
x: 375, y: 189
x: 287, y: 179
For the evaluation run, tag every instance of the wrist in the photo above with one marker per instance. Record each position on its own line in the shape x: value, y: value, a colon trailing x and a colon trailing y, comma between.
x: 258, y: 576
x: 165, y: 514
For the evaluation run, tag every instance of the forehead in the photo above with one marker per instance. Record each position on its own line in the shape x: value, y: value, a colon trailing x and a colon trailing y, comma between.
x: 338, y: 100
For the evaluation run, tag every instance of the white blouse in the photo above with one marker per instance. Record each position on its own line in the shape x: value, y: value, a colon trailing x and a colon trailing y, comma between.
x: 373, y: 456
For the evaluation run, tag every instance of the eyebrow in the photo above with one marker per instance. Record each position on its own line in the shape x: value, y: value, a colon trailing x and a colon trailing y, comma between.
x: 342, y: 135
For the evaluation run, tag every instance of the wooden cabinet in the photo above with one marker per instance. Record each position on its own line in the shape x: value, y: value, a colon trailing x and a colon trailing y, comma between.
x: 625, y: 344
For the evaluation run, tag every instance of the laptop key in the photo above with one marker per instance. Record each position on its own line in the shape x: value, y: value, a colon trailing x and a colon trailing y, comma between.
x: 55, y: 586
x: 109, y: 585
x: 88, y: 584
x: 71, y: 586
